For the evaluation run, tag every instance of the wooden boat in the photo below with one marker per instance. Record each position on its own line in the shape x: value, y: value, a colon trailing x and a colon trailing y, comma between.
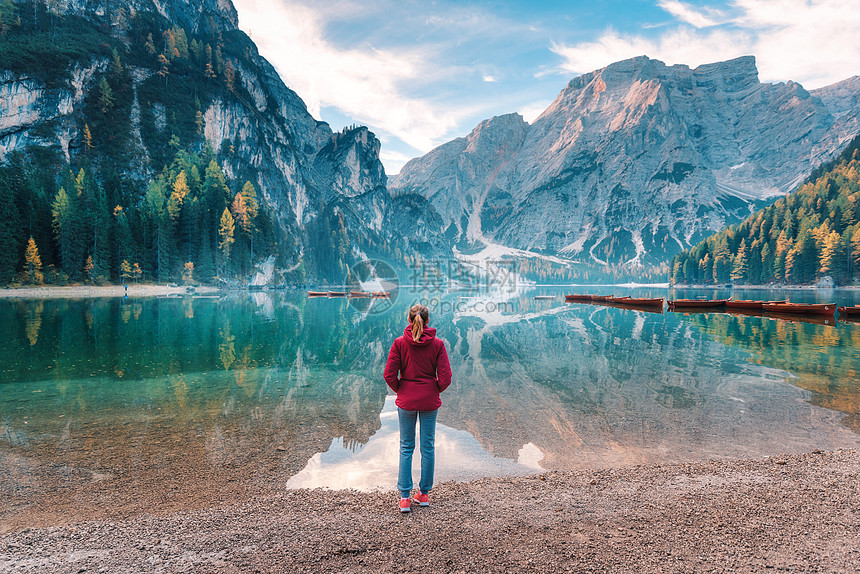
x: 380, y: 294
x: 600, y: 298
x: 544, y: 297
x: 852, y: 312
x: 697, y: 303
x: 800, y: 308
x: 359, y: 294
x: 754, y: 305
x: 639, y: 302
x: 612, y: 299
x: 336, y: 294
x: 317, y: 293
x: 578, y: 297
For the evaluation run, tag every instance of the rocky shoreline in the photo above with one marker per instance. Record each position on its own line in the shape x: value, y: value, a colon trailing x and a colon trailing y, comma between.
x: 793, y: 512
x: 85, y: 291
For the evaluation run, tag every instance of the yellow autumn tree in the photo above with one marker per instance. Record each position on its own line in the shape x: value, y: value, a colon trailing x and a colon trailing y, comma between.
x: 226, y: 231
x: 125, y: 272
x: 89, y: 267
x: 188, y: 273
x: 33, y: 263
x: 180, y: 190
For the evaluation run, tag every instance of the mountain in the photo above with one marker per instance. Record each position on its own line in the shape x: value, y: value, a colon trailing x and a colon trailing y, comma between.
x: 840, y: 98
x: 632, y: 163
x: 130, y: 95
x: 811, y: 233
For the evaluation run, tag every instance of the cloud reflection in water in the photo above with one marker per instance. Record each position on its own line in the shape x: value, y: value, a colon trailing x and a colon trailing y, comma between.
x: 459, y: 457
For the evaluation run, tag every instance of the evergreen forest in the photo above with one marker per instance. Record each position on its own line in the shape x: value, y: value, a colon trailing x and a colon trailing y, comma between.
x: 113, y: 209
x: 811, y: 233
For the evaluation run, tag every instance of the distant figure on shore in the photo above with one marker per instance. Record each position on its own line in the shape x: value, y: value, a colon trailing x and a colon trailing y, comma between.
x: 417, y: 370
x: 126, y: 290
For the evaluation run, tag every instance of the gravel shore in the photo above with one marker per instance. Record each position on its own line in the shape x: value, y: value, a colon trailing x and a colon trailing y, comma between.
x: 793, y: 512
x: 81, y: 291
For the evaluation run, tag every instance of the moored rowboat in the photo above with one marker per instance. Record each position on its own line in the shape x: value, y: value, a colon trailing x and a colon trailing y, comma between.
x: 755, y: 305
x: 578, y: 297
x: 380, y: 294
x: 317, y: 293
x: 357, y: 294
x: 800, y: 308
x: 336, y: 294
x: 640, y: 301
x: 697, y: 303
x: 850, y: 311
x: 600, y: 297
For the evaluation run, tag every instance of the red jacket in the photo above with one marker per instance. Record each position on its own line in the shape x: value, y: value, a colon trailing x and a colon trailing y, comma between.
x: 423, y: 367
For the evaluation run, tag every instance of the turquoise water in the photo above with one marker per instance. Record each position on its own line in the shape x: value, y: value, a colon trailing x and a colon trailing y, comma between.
x: 105, y: 399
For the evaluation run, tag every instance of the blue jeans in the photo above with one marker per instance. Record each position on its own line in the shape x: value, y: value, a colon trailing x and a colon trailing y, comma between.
x: 427, y: 438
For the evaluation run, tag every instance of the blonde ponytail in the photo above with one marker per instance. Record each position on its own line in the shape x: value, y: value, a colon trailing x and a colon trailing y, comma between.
x: 419, y: 315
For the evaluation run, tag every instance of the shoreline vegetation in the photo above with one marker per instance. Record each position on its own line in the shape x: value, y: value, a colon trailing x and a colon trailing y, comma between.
x: 770, y: 287
x: 794, y: 512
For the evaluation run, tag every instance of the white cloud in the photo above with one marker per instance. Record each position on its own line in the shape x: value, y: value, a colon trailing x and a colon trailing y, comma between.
x: 812, y: 42
x: 682, y: 46
x: 393, y: 160
x: 488, y: 78
x: 687, y: 14
x: 364, y: 83
x: 531, y: 112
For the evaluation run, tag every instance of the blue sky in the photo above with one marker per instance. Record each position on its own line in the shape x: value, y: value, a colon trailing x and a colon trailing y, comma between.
x: 422, y: 73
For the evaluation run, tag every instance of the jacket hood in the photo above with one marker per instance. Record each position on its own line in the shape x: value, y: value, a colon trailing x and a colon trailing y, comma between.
x: 426, y: 337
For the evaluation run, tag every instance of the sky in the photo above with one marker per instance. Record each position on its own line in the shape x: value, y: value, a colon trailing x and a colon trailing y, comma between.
x: 421, y: 73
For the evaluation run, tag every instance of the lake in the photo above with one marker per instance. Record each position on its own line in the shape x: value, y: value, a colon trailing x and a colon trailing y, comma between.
x: 111, y: 407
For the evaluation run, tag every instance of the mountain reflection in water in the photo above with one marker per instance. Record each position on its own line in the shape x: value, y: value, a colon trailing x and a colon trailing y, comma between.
x: 112, y: 406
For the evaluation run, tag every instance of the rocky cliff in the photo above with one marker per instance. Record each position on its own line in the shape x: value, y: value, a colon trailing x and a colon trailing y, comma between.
x: 633, y: 162
x: 314, y: 181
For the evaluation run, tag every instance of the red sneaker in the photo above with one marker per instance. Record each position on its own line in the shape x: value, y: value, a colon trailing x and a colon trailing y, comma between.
x: 405, y: 505
x: 422, y: 499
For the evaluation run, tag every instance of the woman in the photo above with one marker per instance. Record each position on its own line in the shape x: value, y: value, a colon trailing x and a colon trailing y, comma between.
x: 418, y: 371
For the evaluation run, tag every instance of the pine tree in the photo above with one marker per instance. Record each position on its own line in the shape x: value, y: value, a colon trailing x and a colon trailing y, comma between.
x: 149, y: 46
x: 33, y: 264
x: 829, y: 253
x: 229, y: 76
x: 180, y: 190
x: 10, y: 232
x: 739, y: 269
x: 722, y: 260
x: 181, y: 39
x: 123, y: 239
x: 226, y: 229
x: 170, y: 45
x: 61, y: 211
x: 240, y: 213
x: 106, y: 97
x: 88, y: 137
